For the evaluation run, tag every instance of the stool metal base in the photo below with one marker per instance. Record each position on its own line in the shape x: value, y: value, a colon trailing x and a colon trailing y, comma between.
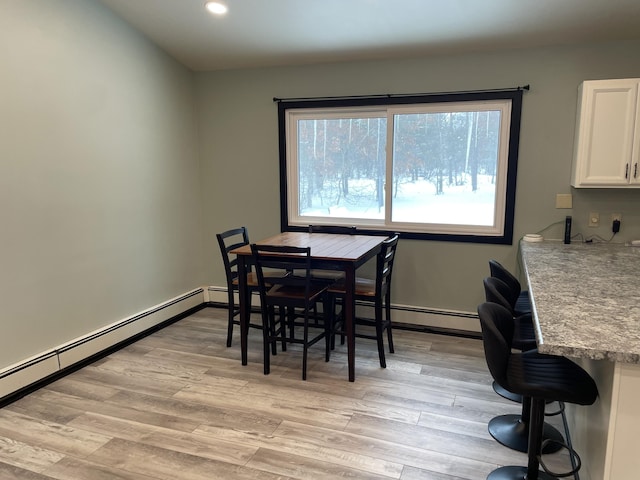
x: 516, y: 473
x: 504, y: 393
x: 512, y: 432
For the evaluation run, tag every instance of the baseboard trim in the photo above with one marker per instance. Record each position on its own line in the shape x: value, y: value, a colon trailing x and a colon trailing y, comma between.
x: 429, y: 318
x: 30, y: 374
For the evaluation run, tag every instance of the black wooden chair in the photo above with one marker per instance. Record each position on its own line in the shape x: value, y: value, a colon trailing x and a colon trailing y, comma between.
x: 229, y: 241
x: 542, y: 378
x: 341, y: 229
x: 296, y: 294
x: 376, y: 292
x: 330, y: 276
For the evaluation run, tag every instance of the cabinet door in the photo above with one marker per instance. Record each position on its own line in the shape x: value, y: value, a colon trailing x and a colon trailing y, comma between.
x: 604, y: 153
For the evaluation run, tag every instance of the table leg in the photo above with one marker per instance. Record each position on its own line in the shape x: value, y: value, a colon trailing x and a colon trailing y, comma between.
x: 349, y: 309
x: 244, y: 300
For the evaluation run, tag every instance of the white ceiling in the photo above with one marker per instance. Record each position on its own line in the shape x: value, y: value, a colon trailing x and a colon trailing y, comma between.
x: 258, y: 33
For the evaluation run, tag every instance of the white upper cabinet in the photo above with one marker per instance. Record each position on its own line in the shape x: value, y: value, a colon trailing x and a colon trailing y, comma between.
x: 607, y: 141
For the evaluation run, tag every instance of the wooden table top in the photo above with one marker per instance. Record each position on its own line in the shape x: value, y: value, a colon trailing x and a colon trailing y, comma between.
x: 327, y: 246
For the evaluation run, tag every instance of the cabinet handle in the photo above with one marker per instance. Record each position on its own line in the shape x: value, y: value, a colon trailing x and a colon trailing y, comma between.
x: 635, y: 170
x: 626, y: 171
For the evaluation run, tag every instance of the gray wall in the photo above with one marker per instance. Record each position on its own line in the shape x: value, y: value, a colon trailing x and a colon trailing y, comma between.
x: 118, y: 166
x: 99, y: 174
x: 238, y: 135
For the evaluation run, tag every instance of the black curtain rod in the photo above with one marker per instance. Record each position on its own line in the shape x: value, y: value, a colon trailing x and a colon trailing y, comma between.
x: 400, y: 95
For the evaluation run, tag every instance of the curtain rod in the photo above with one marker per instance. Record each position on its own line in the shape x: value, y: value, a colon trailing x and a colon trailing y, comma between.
x: 400, y: 95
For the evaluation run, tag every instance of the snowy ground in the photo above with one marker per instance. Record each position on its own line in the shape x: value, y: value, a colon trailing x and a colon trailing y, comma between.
x: 417, y: 202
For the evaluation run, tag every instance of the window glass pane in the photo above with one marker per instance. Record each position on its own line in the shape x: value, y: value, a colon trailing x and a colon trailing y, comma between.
x: 444, y: 167
x: 341, y: 167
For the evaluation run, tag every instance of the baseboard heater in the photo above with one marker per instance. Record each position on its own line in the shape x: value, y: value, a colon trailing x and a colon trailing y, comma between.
x: 439, y: 320
x: 19, y: 379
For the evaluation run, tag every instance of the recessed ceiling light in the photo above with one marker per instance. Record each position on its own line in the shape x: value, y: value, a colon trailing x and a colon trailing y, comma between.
x: 217, y: 8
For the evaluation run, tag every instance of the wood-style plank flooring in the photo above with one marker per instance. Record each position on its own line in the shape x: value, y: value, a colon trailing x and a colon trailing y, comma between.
x: 179, y: 405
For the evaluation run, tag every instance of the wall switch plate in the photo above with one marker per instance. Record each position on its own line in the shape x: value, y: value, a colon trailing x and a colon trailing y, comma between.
x: 594, y: 219
x: 564, y: 200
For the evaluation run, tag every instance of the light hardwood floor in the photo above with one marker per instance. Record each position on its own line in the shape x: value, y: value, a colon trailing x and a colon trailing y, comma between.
x: 179, y: 405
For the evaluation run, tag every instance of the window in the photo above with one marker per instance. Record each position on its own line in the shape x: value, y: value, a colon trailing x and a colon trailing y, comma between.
x: 436, y: 167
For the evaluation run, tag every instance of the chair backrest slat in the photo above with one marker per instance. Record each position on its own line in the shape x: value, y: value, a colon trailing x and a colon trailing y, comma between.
x: 281, y: 261
x: 345, y: 230
x: 228, y: 241
x: 384, y: 265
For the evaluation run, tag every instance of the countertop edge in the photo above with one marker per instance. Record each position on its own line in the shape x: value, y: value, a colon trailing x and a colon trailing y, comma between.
x: 587, y: 326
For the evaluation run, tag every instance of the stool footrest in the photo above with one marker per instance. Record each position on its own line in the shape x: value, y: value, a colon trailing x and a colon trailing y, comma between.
x: 572, y: 453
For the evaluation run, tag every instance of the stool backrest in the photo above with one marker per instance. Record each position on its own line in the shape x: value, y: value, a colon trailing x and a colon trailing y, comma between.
x: 496, y: 291
x: 497, y: 336
x: 498, y: 271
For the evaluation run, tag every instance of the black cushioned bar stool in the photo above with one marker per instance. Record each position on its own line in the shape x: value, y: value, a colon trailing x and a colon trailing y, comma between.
x: 497, y: 291
x: 513, y: 430
x: 534, y: 375
x: 520, y: 300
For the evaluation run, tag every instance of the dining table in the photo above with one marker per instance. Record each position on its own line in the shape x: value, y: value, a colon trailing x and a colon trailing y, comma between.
x: 329, y: 251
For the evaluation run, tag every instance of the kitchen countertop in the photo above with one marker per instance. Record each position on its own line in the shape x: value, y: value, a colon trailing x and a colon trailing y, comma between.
x: 586, y: 299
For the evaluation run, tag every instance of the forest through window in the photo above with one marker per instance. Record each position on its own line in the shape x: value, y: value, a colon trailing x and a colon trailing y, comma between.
x: 426, y: 169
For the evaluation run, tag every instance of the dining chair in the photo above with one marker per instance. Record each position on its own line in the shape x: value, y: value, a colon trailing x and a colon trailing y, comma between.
x: 229, y: 241
x: 376, y: 292
x: 341, y: 229
x: 295, y: 294
x: 330, y: 276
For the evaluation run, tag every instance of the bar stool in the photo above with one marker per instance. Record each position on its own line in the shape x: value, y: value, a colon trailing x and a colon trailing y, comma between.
x: 519, y: 298
x: 513, y: 430
x: 497, y: 291
x: 534, y: 375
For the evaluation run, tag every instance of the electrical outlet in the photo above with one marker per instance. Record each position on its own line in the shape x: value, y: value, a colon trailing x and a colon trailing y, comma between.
x: 616, y: 216
x: 594, y: 219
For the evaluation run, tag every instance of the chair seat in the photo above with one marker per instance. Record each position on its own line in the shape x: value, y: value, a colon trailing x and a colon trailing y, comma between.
x: 329, y: 275
x: 252, y: 278
x: 291, y: 292
x: 365, y: 287
x: 550, y: 377
x: 326, y: 276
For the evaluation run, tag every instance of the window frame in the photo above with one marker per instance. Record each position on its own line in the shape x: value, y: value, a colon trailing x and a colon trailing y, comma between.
x: 390, y: 103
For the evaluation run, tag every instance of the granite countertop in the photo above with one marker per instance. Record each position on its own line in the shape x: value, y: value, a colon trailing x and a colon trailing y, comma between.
x: 586, y: 299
